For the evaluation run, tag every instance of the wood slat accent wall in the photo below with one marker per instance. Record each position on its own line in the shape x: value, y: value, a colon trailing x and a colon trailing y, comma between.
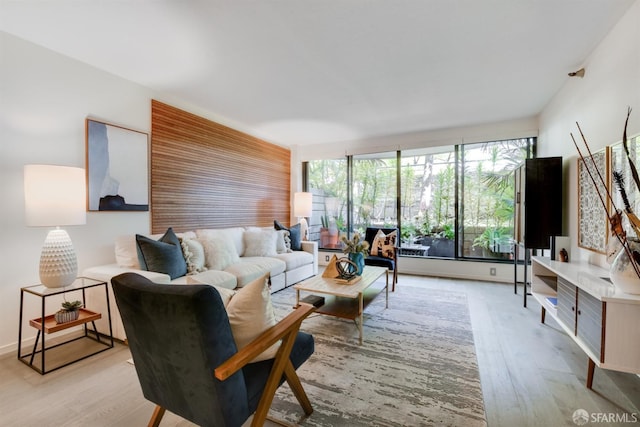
x: 206, y: 175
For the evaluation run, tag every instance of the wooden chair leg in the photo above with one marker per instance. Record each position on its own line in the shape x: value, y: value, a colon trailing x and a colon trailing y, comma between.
x: 590, y: 370
x: 282, y: 358
x: 158, y: 413
x: 296, y: 387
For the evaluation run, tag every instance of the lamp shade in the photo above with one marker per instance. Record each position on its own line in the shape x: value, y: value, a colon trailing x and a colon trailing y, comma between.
x: 302, y: 204
x: 54, y: 195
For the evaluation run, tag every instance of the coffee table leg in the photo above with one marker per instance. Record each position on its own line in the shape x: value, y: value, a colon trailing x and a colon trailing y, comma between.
x: 361, y: 313
x: 386, y: 290
x: 297, y: 298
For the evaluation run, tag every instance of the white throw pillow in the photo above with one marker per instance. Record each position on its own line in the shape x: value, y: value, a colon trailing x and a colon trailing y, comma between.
x: 219, y: 253
x: 251, y: 313
x: 193, y: 255
x: 260, y: 243
x: 126, y: 252
x: 281, y: 242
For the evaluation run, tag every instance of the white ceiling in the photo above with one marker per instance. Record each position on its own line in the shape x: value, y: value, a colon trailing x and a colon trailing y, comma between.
x: 319, y: 71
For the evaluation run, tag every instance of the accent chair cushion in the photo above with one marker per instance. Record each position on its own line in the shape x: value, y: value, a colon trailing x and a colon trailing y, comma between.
x: 251, y: 313
x: 162, y: 256
x: 379, y: 261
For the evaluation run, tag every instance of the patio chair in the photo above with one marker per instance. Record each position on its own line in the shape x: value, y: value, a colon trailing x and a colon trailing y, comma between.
x: 390, y: 262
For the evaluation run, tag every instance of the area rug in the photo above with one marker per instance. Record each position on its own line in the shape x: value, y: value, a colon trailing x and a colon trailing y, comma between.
x: 416, y: 367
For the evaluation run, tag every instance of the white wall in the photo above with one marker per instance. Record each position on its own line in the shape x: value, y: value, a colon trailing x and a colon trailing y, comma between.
x: 44, y: 100
x: 598, y: 102
x: 521, y: 128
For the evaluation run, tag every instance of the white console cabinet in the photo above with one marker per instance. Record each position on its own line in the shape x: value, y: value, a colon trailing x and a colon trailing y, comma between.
x: 600, y: 319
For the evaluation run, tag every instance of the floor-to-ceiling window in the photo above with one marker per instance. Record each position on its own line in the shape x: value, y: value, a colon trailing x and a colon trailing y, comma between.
x: 448, y: 201
x: 486, y: 211
x: 328, y: 182
x: 374, y: 191
x: 428, y: 202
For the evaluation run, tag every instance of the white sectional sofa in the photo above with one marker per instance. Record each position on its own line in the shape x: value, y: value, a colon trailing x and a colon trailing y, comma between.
x: 227, y: 258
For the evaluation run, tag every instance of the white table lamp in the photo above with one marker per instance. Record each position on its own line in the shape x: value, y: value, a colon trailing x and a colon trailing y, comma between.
x: 302, y: 208
x: 55, y: 196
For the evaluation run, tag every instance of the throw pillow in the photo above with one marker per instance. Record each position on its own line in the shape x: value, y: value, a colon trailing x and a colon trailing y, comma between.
x: 384, y: 245
x: 194, y: 255
x: 251, y: 313
x: 219, y: 252
x: 163, y: 255
x: 260, y: 242
x: 294, y: 234
x: 225, y: 294
x: 283, y: 242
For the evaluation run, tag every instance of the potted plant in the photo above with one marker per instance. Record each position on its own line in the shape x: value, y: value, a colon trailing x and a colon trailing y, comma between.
x: 69, y: 312
x: 356, y: 249
x: 324, y: 231
x: 333, y: 233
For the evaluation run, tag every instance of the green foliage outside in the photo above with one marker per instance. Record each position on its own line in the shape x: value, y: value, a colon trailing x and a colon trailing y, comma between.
x: 428, y: 197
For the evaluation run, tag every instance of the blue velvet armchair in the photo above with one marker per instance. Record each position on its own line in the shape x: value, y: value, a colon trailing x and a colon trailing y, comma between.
x: 186, y: 358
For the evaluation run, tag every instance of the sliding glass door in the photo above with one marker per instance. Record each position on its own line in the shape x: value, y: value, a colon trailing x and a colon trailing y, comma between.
x: 448, y: 201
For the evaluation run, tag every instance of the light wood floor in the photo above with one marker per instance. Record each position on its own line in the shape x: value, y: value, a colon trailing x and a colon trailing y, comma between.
x: 532, y: 375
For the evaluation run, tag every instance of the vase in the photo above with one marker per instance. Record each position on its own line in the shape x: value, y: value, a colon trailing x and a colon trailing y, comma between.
x: 66, y: 316
x: 622, y: 273
x: 358, y: 259
x: 324, y: 238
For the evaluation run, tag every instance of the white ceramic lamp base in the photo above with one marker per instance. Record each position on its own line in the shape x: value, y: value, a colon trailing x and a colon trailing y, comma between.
x: 58, y: 263
x: 304, y: 228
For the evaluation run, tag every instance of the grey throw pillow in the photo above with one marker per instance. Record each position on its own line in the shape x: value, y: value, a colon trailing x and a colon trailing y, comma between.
x: 163, y: 255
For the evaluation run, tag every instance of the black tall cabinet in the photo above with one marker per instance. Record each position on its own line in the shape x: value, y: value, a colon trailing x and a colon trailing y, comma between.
x: 538, y: 211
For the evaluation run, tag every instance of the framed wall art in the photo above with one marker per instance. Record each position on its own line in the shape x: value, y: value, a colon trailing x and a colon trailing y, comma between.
x: 593, y: 223
x: 117, y: 168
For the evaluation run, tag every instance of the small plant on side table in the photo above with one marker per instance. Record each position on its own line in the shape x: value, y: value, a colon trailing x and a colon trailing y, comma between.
x: 69, y: 312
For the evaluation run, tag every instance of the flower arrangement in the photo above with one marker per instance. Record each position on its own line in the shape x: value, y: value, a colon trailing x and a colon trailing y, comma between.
x: 354, y: 245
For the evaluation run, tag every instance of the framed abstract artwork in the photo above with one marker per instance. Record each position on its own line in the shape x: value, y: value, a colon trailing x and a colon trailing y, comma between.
x: 593, y: 223
x: 117, y: 168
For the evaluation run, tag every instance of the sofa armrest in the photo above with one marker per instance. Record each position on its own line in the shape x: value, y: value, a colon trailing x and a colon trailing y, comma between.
x: 106, y: 272
x: 312, y: 248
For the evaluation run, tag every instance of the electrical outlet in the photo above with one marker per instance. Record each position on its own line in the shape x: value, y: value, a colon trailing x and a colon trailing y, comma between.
x: 326, y: 258
x: 492, y: 271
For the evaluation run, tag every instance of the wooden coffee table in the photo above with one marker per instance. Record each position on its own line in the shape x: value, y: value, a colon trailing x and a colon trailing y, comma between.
x: 346, y: 301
